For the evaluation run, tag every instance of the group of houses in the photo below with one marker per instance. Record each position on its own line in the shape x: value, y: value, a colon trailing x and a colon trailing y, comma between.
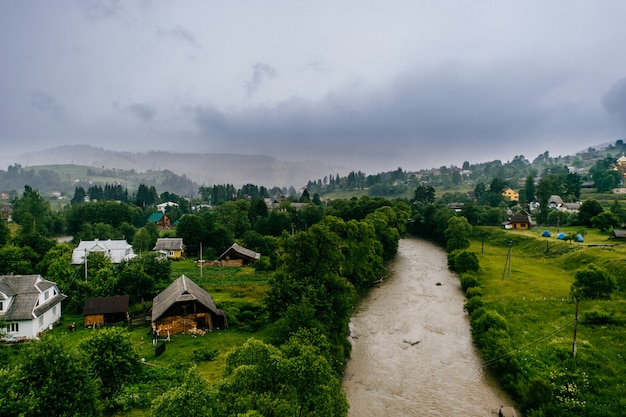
x: 31, y: 305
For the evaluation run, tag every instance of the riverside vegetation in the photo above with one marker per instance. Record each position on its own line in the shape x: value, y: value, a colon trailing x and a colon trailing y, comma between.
x: 521, y: 291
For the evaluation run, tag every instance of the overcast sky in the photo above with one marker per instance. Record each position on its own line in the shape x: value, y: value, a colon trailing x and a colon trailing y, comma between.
x: 374, y: 85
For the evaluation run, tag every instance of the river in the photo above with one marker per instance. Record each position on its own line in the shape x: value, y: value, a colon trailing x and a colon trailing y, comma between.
x: 412, y: 351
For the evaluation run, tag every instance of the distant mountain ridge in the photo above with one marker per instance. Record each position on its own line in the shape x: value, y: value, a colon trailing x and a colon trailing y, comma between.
x: 207, y: 169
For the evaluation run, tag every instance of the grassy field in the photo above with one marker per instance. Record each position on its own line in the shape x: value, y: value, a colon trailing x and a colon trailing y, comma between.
x: 530, y: 289
x: 238, y: 290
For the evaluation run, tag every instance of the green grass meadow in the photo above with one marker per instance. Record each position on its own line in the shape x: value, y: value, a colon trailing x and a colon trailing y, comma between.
x: 531, y: 290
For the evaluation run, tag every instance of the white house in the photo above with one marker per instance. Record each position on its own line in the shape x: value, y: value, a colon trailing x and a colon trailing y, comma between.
x: 116, y: 250
x: 163, y: 206
x: 29, y: 305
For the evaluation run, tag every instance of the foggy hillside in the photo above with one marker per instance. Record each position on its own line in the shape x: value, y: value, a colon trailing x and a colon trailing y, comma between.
x: 206, y: 169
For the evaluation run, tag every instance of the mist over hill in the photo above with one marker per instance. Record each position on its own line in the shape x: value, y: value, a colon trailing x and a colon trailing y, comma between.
x: 202, y: 168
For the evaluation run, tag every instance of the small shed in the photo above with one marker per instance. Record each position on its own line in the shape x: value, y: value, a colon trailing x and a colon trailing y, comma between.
x: 105, y: 310
x: 237, y: 255
x: 618, y: 234
x: 184, y: 307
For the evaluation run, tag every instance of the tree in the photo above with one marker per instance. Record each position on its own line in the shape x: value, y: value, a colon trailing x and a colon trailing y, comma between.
x: 592, y: 282
x: 111, y: 359
x: 31, y: 208
x: 194, y: 398
x: 605, y: 220
x: 589, y: 209
x: 53, y: 380
x: 424, y: 194
x: 5, y: 233
x: 457, y: 233
x: 529, y: 189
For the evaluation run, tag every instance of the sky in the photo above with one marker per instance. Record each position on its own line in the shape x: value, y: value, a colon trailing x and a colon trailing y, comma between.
x: 373, y: 85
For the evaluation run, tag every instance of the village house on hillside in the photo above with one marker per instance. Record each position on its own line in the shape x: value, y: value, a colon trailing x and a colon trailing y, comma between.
x: 170, y: 247
x: 237, y: 255
x: 29, y: 305
x: 105, y: 310
x: 184, y: 307
x: 160, y: 219
x: 510, y: 194
x: 116, y: 250
x: 520, y: 221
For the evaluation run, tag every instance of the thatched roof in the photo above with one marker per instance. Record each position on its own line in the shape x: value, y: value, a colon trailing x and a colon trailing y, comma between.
x: 182, y: 290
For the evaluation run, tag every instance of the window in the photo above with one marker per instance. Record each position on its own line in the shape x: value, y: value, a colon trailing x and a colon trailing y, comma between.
x: 46, y: 295
x: 1, y: 305
x: 171, y: 253
x: 14, y: 327
x: 41, y: 320
x: 54, y: 310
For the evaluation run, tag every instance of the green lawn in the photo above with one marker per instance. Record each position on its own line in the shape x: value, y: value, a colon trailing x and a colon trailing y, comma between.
x: 535, y: 301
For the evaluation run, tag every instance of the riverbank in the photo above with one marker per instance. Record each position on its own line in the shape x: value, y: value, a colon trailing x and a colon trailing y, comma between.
x: 412, y: 351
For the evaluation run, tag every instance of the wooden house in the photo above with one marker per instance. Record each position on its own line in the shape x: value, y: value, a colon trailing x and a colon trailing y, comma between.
x: 510, y: 194
x: 160, y: 219
x: 520, y: 221
x: 170, y: 247
x: 105, y: 310
x: 237, y: 255
x: 184, y: 307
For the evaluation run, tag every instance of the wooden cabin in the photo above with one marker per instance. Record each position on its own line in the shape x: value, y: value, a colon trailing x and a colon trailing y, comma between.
x: 184, y: 307
x: 237, y: 255
x: 105, y: 310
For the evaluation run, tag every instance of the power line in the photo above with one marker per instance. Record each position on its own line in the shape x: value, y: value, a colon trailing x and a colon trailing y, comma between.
x: 534, y: 342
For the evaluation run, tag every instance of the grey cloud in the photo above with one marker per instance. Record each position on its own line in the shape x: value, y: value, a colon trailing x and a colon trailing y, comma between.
x: 260, y: 74
x: 101, y: 9
x: 142, y: 111
x: 45, y: 103
x: 180, y: 34
x: 452, y: 109
x: 614, y: 100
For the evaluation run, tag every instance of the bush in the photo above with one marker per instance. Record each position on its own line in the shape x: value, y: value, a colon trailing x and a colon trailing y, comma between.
x: 474, y: 292
x: 473, y: 304
x: 592, y: 282
x: 599, y: 317
x: 206, y: 353
x: 466, y: 261
x: 468, y: 281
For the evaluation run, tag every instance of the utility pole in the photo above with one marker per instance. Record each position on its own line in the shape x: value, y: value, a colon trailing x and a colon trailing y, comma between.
x: 508, y: 261
x: 575, y: 329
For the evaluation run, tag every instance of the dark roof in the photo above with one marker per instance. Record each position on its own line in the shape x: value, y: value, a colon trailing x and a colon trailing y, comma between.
x: 240, y: 252
x: 106, y: 305
x: 169, y: 243
x: 25, y: 290
x: 181, y: 290
x: 618, y: 233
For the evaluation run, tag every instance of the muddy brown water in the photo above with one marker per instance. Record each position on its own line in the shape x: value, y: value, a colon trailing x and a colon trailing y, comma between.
x: 412, y: 351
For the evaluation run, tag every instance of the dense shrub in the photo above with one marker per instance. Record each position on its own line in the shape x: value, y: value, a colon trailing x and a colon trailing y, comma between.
x: 472, y: 304
x: 468, y: 281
